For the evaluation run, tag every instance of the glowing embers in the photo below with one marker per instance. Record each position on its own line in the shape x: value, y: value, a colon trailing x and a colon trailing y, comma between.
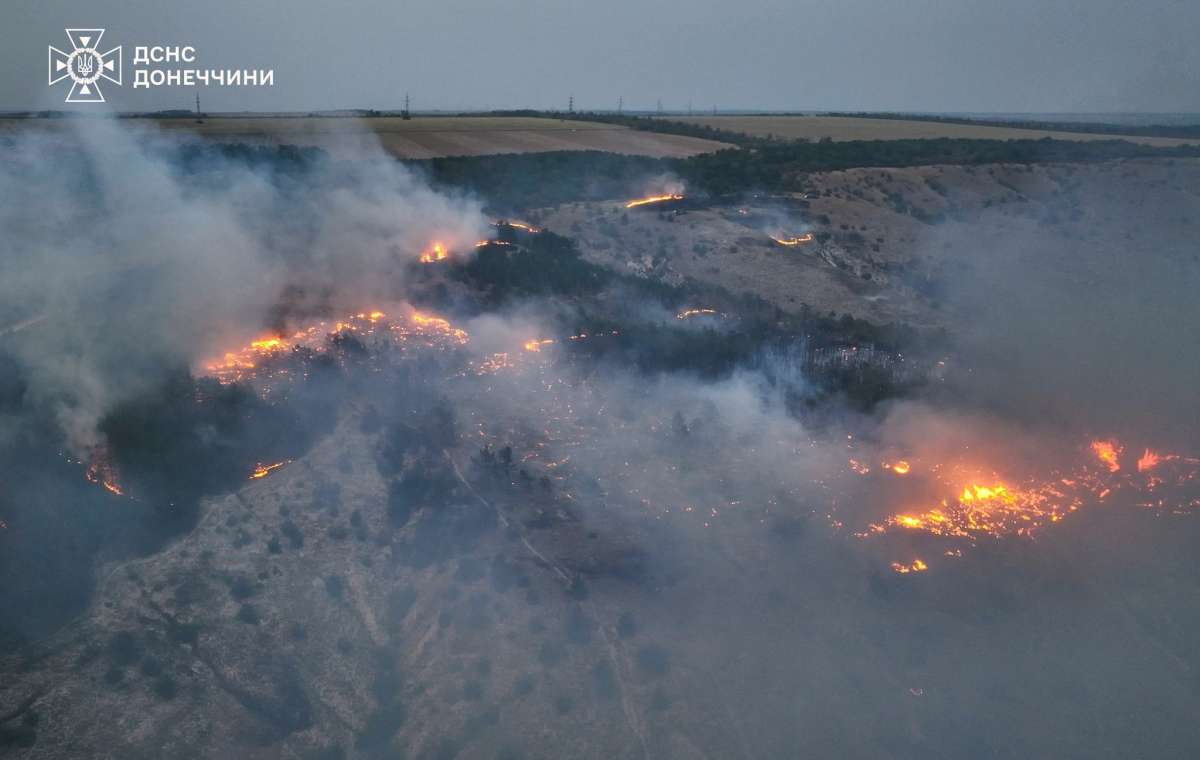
x: 988, y: 508
x: 267, y: 356
x: 916, y: 566
x: 535, y: 346
x: 792, y: 241
x: 977, y: 502
x: 653, y: 199
x: 689, y: 313
x: 263, y: 470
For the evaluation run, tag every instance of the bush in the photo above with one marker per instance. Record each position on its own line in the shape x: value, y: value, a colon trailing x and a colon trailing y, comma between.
x: 124, y: 648
x: 653, y: 660
x: 165, y: 688
x: 335, y: 587
x: 604, y: 681
x: 247, y: 614
x: 563, y: 704
x: 472, y: 690
x: 626, y: 625
x: 524, y: 685
x: 579, y: 627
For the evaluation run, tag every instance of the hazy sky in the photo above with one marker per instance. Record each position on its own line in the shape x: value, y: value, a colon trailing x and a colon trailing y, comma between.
x: 940, y: 55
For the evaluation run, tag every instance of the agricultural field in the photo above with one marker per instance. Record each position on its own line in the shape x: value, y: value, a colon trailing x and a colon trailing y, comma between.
x: 432, y: 136
x: 843, y: 128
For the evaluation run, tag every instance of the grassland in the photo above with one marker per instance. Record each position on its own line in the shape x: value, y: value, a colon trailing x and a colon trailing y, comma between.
x: 844, y: 128
x: 430, y: 137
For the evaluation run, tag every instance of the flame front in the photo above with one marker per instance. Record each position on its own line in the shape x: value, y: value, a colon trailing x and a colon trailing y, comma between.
x: 978, y: 506
x: 653, y: 199
x: 263, y: 470
x: 518, y: 225
x: 793, y: 241
x: 267, y: 356
x: 994, y: 509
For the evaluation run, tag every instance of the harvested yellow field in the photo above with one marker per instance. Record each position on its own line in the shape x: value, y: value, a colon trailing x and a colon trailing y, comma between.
x: 429, y: 136
x: 843, y: 128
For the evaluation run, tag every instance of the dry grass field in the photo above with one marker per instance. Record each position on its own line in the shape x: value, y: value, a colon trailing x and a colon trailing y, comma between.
x: 433, y: 136
x: 842, y: 128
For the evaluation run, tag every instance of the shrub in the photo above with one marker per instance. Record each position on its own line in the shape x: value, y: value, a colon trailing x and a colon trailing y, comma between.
x: 653, y: 660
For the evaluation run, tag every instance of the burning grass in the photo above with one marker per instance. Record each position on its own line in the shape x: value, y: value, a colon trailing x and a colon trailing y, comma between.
x: 260, y: 358
x: 978, y: 503
x: 653, y: 199
x: 793, y: 240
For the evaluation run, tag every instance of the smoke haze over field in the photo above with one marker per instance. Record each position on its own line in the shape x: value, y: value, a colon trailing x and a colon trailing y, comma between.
x: 136, y: 270
x: 1071, y: 333
x: 1026, y: 56
x: 507, y: 526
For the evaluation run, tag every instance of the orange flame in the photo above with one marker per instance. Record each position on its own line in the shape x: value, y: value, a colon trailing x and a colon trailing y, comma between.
x: 518, y: 225
x: 916, y: 566
x: 653, y: 199
x: 102, y: 471
x: 249, y: 361
x: 1149, y: 460
x: 1108, y: 452
x: 793, y: 241
x: 436, y: 253
x: 263, y: 470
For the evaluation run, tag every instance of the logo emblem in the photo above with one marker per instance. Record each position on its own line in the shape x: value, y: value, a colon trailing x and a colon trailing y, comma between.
x: 85, y: 65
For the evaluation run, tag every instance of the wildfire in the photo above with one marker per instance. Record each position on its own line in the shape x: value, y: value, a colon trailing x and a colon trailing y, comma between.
x: 988, y: 510
x: 518, y: 225
x: 263, y: 470
x: 260, y: 358
x: 436, y: 253
x: 653, y: 199
x: 1151, y: 459
x: 916, y: 566
x: 859, y: 468
x: 102, y: 471
x: 793, y: 241
x: 1109, y: 452
x: 979, y: 505
x: 536, y: 345
x: 687, y: 313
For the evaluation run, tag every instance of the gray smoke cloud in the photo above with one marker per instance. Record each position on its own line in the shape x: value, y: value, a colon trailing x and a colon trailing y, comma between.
x: 133, y: 265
